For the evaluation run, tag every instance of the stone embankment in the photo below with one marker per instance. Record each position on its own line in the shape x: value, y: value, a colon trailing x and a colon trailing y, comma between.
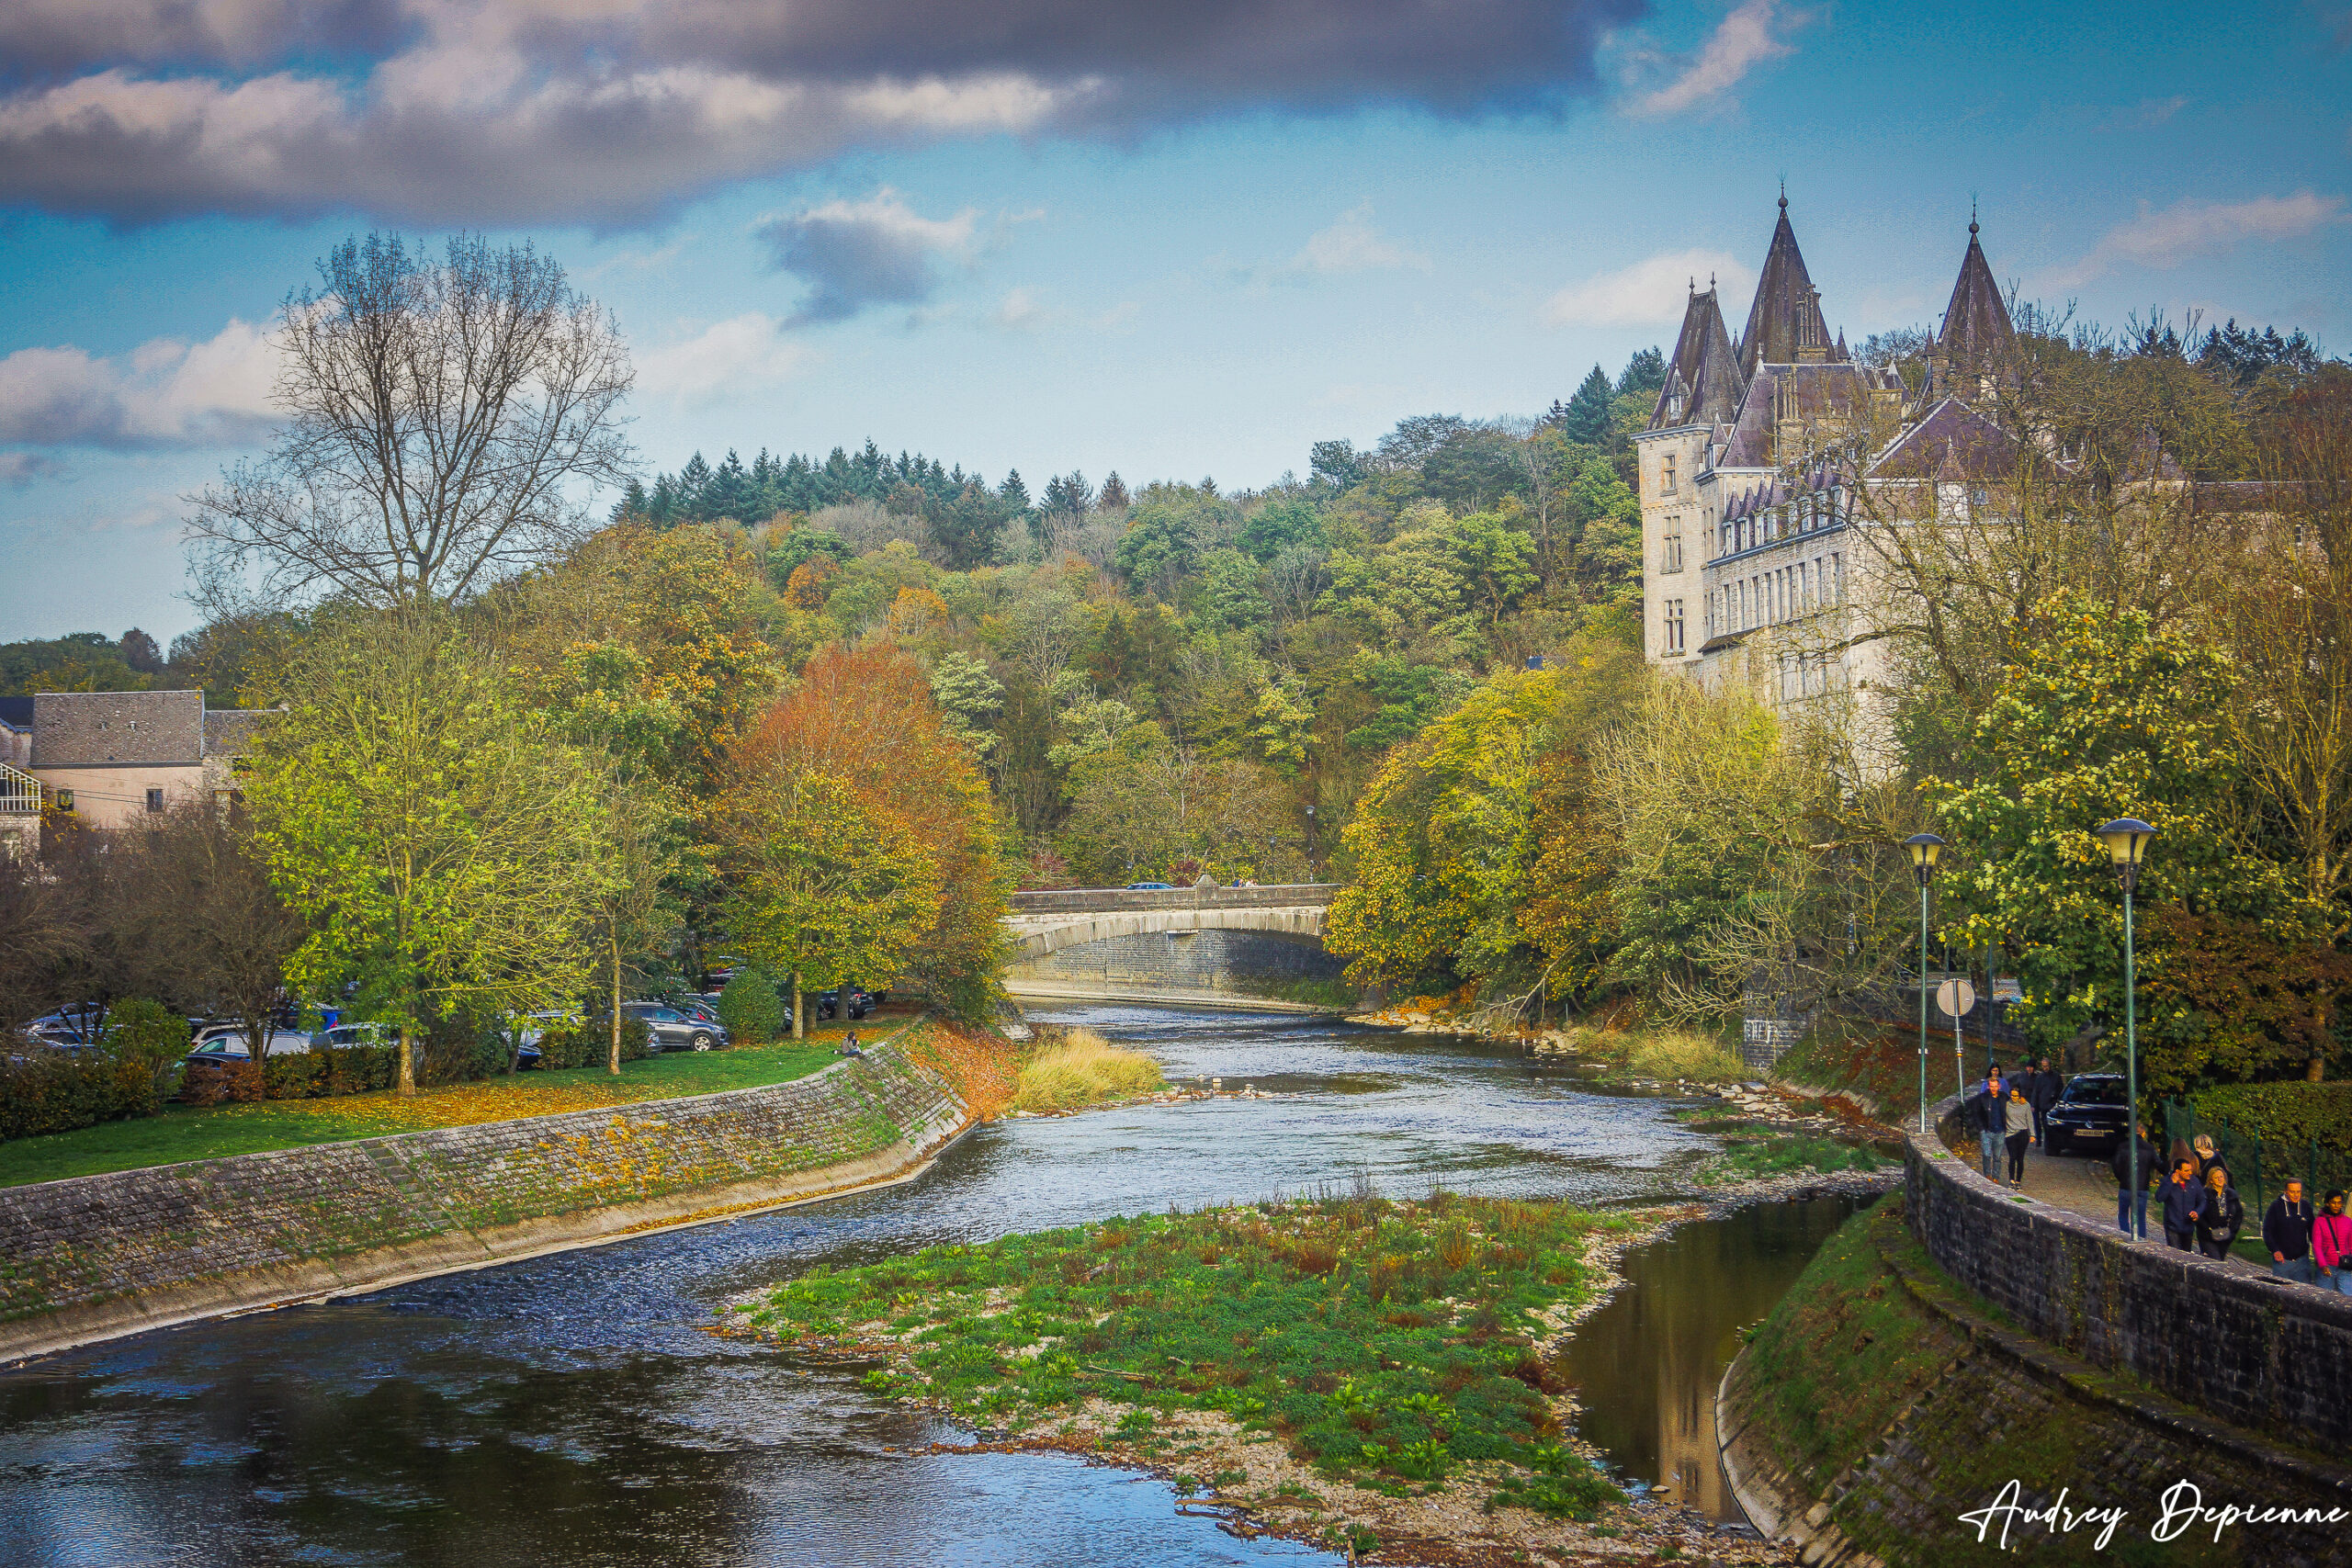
x: 1969, y: 1344
x: 97, y: 1256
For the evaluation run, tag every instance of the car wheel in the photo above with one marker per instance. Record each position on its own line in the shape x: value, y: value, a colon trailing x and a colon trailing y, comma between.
x: 701, y: 1040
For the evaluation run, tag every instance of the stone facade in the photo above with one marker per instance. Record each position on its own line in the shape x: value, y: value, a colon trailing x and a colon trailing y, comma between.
x: 99, y: 1255
x: 126, y: 754
x: 2232, y: 1342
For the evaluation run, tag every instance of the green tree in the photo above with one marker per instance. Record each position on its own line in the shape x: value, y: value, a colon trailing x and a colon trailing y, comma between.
x: 440, y: 840
x: 2105, y: 715
x: 966, y: 526
x: 968, y: 698
x: 1585, y: 419
x: 1281, y: 524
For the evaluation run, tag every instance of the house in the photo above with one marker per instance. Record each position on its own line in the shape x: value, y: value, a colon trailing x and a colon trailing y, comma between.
x: 113, y: 759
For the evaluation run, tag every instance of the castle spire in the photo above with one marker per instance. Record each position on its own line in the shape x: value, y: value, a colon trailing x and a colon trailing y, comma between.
x: 1786, y: 313
x: 1977, y: 333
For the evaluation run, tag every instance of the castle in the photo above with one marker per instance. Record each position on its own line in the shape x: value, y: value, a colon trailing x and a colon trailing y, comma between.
x: 1751, y: 563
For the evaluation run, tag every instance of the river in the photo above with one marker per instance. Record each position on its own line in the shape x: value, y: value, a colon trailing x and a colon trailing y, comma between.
x: 575, y: 1408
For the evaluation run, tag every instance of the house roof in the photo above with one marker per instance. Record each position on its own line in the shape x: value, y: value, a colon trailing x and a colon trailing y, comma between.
x: 1977, y: 331
x: 1821, y: 397
x: 1952, y: 443
x: 1785, y: 315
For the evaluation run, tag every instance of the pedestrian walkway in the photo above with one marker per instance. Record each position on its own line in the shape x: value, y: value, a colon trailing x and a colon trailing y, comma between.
x: 2085, y: 1184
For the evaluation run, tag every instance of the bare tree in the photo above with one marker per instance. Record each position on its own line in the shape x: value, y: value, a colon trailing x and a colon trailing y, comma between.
x: 201, y: 922
x: 439, y: 417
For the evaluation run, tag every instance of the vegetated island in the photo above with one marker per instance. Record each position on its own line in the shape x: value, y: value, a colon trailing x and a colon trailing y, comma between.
x: 1350, y: 1370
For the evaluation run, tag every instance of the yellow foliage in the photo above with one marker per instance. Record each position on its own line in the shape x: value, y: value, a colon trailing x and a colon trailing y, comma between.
x: 1083, y: 1068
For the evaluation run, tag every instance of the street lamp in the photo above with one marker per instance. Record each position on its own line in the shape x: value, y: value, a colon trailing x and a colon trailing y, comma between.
x: 1924, y: 848
x: 2126, y: 838
x: 1311, y: 843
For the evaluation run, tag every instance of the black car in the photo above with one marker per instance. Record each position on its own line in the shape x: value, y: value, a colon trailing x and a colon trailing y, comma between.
x: 669, y: 1030
x: 2090, y: 1109
x: 828, y: 1004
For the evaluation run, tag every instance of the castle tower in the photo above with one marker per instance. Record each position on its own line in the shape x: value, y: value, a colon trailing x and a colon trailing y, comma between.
x: 1977, y: 336
x: 1784, y: 323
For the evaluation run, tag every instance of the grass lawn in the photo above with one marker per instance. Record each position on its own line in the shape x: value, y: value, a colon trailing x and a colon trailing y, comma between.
x: 186, y: 1132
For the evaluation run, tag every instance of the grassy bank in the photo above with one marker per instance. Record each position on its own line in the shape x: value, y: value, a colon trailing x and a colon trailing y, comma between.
x: 1073, y: 1068
x: 1757, y: 1150
x: 1384, y: 1344
x: 1667, y: 1055
x: 190, y: 1133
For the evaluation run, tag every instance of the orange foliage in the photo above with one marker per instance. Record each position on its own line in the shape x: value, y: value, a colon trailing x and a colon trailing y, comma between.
x: 979, y: 1064
x: 806, y: 588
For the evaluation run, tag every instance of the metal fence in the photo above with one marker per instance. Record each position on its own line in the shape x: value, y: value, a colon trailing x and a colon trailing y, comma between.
x: 2260, y: 1167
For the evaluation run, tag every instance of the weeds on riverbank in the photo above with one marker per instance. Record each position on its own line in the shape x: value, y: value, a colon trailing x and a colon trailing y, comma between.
x: 1754, y: 1151
x: 1384, y: 1343
x: 1081, y: 1068
x: 1669, y: 1056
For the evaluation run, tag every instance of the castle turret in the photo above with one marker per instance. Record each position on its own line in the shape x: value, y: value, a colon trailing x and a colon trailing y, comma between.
x: 1784, y: 323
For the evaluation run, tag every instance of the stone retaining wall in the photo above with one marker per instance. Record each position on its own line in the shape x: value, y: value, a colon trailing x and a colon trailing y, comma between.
x: 98, y: 1256
x: 1189, y: 960
x: 2232, y: 1342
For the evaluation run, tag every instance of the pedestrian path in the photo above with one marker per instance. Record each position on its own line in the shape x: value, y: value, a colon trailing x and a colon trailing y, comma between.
x: 2085, y: 1184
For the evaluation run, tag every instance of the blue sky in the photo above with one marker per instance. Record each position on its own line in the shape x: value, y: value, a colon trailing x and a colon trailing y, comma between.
x: 1063, y: 235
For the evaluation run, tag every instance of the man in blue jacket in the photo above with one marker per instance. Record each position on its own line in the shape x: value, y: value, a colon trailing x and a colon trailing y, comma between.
x: 1988, y: 1112
x: 2184, y: 1199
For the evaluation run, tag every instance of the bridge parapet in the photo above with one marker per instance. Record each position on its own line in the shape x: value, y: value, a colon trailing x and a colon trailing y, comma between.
x: 1108, y: 900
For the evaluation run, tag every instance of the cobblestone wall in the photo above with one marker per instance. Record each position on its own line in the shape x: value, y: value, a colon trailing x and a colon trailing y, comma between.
x: 2230, y: 1341
x: 299, y: 1221
x: 1189, y: 960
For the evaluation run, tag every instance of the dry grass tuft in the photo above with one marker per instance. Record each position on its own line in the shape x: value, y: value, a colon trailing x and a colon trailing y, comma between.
x: 1082, y: 1068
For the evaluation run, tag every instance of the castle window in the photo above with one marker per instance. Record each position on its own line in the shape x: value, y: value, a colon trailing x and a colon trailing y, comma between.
x: 1665, y: 473
x: 1674, y: 630
x: 1672, y: 553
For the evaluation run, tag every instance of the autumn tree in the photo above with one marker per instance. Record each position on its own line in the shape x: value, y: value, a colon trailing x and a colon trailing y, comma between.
x: 201, y: 923
x: 440, y: 839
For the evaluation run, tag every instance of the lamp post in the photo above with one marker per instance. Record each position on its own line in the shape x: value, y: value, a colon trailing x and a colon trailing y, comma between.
x: 1311, y: 843
x: 1924, y: 848
x: 2126, y: 838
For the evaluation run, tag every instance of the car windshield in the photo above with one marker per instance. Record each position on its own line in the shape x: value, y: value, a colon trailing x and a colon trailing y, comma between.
x: 2095, y: 1092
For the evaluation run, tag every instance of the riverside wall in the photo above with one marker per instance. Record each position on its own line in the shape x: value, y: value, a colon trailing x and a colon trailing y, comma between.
x: 93, y: 1257
x: 2230, y: 1341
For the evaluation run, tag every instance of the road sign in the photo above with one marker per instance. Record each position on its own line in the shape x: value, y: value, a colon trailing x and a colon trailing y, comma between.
x: 1954, y: 998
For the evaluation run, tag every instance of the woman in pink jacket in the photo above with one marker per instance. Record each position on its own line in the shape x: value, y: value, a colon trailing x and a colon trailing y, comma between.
x: 2332, y: 1246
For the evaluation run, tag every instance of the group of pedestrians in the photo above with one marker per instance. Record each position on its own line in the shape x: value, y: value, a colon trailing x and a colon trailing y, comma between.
x: 2011, y: 1115
x: 2203, y: 1213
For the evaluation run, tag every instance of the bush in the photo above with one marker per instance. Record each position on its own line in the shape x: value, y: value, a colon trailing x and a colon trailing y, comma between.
x: 2294, y: 1114
x: 1081, y: 1068
x: 147, y: 1035
x: 1701, y: 1058
x: 749, y: 1008
x: 588, y: 1043
x: 55, y: 1091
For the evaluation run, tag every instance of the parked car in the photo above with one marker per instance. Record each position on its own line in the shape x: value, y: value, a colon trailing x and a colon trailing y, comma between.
x: 1151, y: 887
x: 721, y: 968
x: 2090, y: 1109
x: 694, y: 1006
x: 669, y: 1028
x: 828, y: 1004
x: 68, y: 1028
x: 223, y: 1043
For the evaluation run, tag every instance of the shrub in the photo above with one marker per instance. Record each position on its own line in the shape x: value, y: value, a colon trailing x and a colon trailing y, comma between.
x: 2295, y: 1114
x: 148, y: 1037
x: 1698, y: 1058
x: 749, y: 1008
x: 55, y: 1091
x: 1082, y: 1068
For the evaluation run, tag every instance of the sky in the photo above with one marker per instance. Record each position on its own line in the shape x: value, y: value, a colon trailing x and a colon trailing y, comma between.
x: 1178, y: 239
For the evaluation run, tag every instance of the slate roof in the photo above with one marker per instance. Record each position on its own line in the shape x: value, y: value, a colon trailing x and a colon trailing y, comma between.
x: 1702, y: 379
x: 1977, y: 331
x: 1786, y: 312
x: 1951, y: 443
x: 1822, y: 395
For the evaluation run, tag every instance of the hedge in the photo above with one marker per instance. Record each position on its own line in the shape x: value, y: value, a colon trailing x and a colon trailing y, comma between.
x: 2294, y: 1114
x: 56, y: 1091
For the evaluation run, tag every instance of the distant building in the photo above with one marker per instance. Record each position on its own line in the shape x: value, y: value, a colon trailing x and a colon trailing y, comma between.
x: 1749, y: 475
x: 117, y: 758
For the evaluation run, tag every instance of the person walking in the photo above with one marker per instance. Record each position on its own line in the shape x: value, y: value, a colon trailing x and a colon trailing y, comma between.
x: 2287, y: 1234
x: 2332, y: 1246
x: 2182, y: 1205
x: 1988, y: 1112
x: 2020, y: 1132
x: 2220, y: 1214
x: 2208, y: 1159
x: 2152, y: 1171
x: 2047, y: 1086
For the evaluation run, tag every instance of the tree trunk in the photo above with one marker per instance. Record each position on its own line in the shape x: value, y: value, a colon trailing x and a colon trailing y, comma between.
x: 408, y: 1064
x: 799, y: 1013
x: 616, y: 1063
x: 2315, y: 1069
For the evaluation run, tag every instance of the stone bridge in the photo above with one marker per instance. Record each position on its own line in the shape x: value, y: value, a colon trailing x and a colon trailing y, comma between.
x: 1221, y: 947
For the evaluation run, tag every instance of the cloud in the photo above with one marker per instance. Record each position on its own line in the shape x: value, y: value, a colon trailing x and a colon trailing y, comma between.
x: 1019, y: 311
x: 1742, y: 41
x: 853, y: 254
x: 165, y: 393
x: 742, y: 353
x: 1353, y: 244
x: 2189, y: 228
x: 20, y: 469
x: 1649, y: 291
x: 521, y: 112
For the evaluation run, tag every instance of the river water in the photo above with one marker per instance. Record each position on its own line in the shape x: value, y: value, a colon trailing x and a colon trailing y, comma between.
x: 575, y: 1409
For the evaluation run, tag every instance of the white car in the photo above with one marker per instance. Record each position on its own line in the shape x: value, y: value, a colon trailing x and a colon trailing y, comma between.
x: 226, y: 1042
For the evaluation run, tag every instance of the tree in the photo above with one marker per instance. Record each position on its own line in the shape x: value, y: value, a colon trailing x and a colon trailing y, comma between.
x: 1114, y: 496
x: 441, y: 839
x: 823, y: 884
x: 1585, y: 421
x: 202, y: 924
x: 635, y: 907
x: 966, y: 527
x: 968, y: 698
x: 439, y: 416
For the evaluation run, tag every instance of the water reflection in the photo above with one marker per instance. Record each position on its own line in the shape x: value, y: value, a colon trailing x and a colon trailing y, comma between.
x: 575, y: 1408
x: 1648, y: 1364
